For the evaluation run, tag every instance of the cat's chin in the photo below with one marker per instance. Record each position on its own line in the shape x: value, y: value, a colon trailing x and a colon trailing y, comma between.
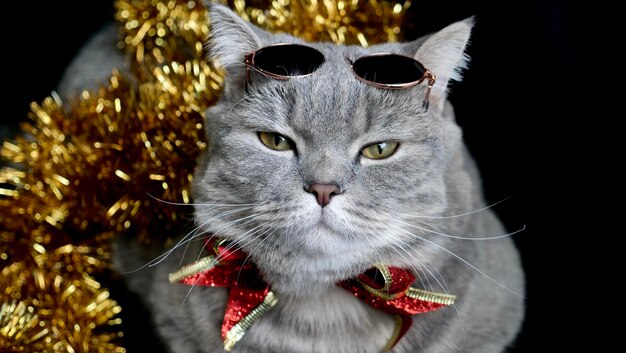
x: 311, y: 265
x: 299, y: 287
x: 304, y: 281
x: 311, y: 253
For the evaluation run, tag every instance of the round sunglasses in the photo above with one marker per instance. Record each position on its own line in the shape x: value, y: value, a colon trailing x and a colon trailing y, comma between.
x: 382, y: 70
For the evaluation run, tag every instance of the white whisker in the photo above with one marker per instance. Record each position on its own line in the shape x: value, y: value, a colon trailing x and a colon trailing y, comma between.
x: 460, y: 259
x: 200, y: 204
x: 236, y: 103
x: 219, y: 257
x: 409, y: 215
x: 442, y: 284
x: 233, y: 224
x: 184, y: 240
x: 419, y: 263
x: 196, y: 231
x: 464, y: 238
x: 232, y: 245
x: 264, y: 232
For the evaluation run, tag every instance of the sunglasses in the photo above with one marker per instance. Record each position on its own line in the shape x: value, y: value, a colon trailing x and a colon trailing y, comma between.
x: 381, y: 70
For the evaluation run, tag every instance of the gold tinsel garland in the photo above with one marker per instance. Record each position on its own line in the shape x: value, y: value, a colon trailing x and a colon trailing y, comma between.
x: 100, y: 164
x: 56, y: 305
x: 341, y: 22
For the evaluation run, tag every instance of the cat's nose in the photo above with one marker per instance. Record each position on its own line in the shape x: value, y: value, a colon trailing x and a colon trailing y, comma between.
x: 323, y: 192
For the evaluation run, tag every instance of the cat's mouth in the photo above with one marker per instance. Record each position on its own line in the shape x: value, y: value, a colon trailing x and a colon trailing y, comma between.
x: 325, y: 225
x: 326, y: 221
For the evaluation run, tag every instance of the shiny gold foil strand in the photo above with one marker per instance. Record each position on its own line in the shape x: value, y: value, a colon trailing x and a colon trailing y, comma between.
x: 361, y: 22
x: 55, y: 307
x: 119, y: 146
x: 19, y: 324
x: 156, y: 32
x: 27, y: 223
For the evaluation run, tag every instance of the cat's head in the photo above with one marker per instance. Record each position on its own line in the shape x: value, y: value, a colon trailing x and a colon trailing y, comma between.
x: 291, y: 173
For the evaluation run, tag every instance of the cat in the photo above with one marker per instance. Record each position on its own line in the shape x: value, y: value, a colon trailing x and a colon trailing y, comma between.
x: 414, y: 209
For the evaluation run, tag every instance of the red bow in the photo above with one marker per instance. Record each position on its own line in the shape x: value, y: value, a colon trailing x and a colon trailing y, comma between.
x: 385, y: 288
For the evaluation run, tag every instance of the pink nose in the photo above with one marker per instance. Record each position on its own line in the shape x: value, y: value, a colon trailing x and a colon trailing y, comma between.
x: 323, y: 192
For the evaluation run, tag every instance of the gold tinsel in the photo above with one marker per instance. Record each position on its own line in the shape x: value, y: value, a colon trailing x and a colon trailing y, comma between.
x: 56, y: 305
x: 155, y: 32
x: 102, y: 164
x: 363, y: 22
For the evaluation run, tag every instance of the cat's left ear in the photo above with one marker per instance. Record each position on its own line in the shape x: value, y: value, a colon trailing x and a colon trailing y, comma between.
x: 443, y: 53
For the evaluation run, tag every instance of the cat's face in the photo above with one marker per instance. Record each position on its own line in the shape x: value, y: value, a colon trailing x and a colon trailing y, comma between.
x: 256, y: 188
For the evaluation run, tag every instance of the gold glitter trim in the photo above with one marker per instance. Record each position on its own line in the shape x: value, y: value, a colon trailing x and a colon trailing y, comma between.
x: 383, y: 292
x: 204, y: 264
x: 236, y: 333
x: 394, y: 335
x: 384, y: 271
x: 433, y: 297
x: 218, y: 243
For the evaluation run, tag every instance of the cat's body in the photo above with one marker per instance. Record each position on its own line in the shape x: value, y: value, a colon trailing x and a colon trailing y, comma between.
x: 389, y: 211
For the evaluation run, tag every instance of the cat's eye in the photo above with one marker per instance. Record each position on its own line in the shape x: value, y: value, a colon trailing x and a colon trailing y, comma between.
x: 275, y: 141
x: 380, y: 150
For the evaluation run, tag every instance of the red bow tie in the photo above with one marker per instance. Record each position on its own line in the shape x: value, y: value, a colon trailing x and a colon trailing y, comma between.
x: 385, y: 288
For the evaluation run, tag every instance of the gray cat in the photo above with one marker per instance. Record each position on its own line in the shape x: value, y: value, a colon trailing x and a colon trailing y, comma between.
x: 273, y: 142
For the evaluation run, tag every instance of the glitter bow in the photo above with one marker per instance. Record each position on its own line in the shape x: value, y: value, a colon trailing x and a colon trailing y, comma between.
x: 385, y: 288
x: 249, y: 298
x: 388, y: 289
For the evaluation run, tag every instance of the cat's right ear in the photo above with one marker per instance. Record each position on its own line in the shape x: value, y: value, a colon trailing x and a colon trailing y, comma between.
x: 443, y: 53
x: 230, y: 40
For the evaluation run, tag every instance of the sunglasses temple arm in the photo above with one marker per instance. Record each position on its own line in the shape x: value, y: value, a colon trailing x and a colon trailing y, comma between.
x: 247, y: 61
x: 431, y: 82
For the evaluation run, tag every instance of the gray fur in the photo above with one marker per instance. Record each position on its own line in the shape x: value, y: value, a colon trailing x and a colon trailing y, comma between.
x: 303, y: 249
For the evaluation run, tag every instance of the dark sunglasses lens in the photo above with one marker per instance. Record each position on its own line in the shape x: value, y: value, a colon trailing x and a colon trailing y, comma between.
x: 288, y: 60
x: 388, y: 69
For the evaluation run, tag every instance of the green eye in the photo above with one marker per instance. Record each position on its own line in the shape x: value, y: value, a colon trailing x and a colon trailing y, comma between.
x: 275, y: 141
x: 380, y: 150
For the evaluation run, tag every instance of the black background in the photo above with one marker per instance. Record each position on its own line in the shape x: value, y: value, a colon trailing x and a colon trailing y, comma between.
x: 515, y: 93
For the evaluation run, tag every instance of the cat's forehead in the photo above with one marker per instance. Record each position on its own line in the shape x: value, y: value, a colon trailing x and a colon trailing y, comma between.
x: 352, y: 52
